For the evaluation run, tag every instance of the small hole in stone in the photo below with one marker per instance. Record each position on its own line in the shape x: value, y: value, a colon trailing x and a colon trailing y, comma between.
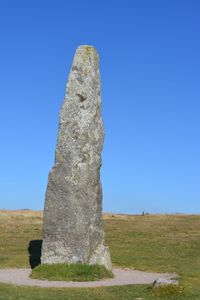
x: 81, y: 97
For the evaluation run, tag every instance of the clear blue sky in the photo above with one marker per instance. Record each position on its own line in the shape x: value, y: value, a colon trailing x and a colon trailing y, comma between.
x: 150, y: 69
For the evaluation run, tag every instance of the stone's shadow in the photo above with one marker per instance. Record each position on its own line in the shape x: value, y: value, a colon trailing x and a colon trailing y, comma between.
x: 34, y: 250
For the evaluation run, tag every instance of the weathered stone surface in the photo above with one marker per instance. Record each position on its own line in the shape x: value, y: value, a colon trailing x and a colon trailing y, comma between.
x: 72, y: 230
x: 164, y: 281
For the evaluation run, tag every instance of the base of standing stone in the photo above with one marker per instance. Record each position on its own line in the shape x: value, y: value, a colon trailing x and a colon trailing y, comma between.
x: 101, y: 256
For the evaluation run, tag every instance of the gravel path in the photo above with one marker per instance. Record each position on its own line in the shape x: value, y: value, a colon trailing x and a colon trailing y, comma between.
x: 122, y: 277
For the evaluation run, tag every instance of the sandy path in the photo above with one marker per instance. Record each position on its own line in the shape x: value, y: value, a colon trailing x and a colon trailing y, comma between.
x: 122, y: 277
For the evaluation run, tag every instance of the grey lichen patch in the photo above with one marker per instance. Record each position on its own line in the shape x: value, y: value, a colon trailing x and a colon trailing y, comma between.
x: 73, y: 230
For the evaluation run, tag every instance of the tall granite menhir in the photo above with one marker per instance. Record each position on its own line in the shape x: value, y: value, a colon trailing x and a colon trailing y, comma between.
x: 72, y: 230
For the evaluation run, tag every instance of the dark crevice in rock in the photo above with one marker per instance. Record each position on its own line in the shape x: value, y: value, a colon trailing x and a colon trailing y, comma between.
x: 81, y: 97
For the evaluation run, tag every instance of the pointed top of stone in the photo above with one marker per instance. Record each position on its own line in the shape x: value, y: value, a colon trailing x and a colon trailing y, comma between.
x: 86, y: 48
x: 86, y: 57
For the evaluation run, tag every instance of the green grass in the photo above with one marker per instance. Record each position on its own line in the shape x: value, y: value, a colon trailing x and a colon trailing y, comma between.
x: 160, y: 243
x: 128, y: 292
x: 73, y: 272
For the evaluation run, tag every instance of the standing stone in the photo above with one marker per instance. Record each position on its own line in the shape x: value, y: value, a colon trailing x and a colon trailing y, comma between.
x: 72, y: 230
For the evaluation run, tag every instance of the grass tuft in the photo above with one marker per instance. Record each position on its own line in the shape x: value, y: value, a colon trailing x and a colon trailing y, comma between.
x: 72, y: 272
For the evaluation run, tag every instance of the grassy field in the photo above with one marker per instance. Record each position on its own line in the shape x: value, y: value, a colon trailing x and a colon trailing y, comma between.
x: 161, y: 243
